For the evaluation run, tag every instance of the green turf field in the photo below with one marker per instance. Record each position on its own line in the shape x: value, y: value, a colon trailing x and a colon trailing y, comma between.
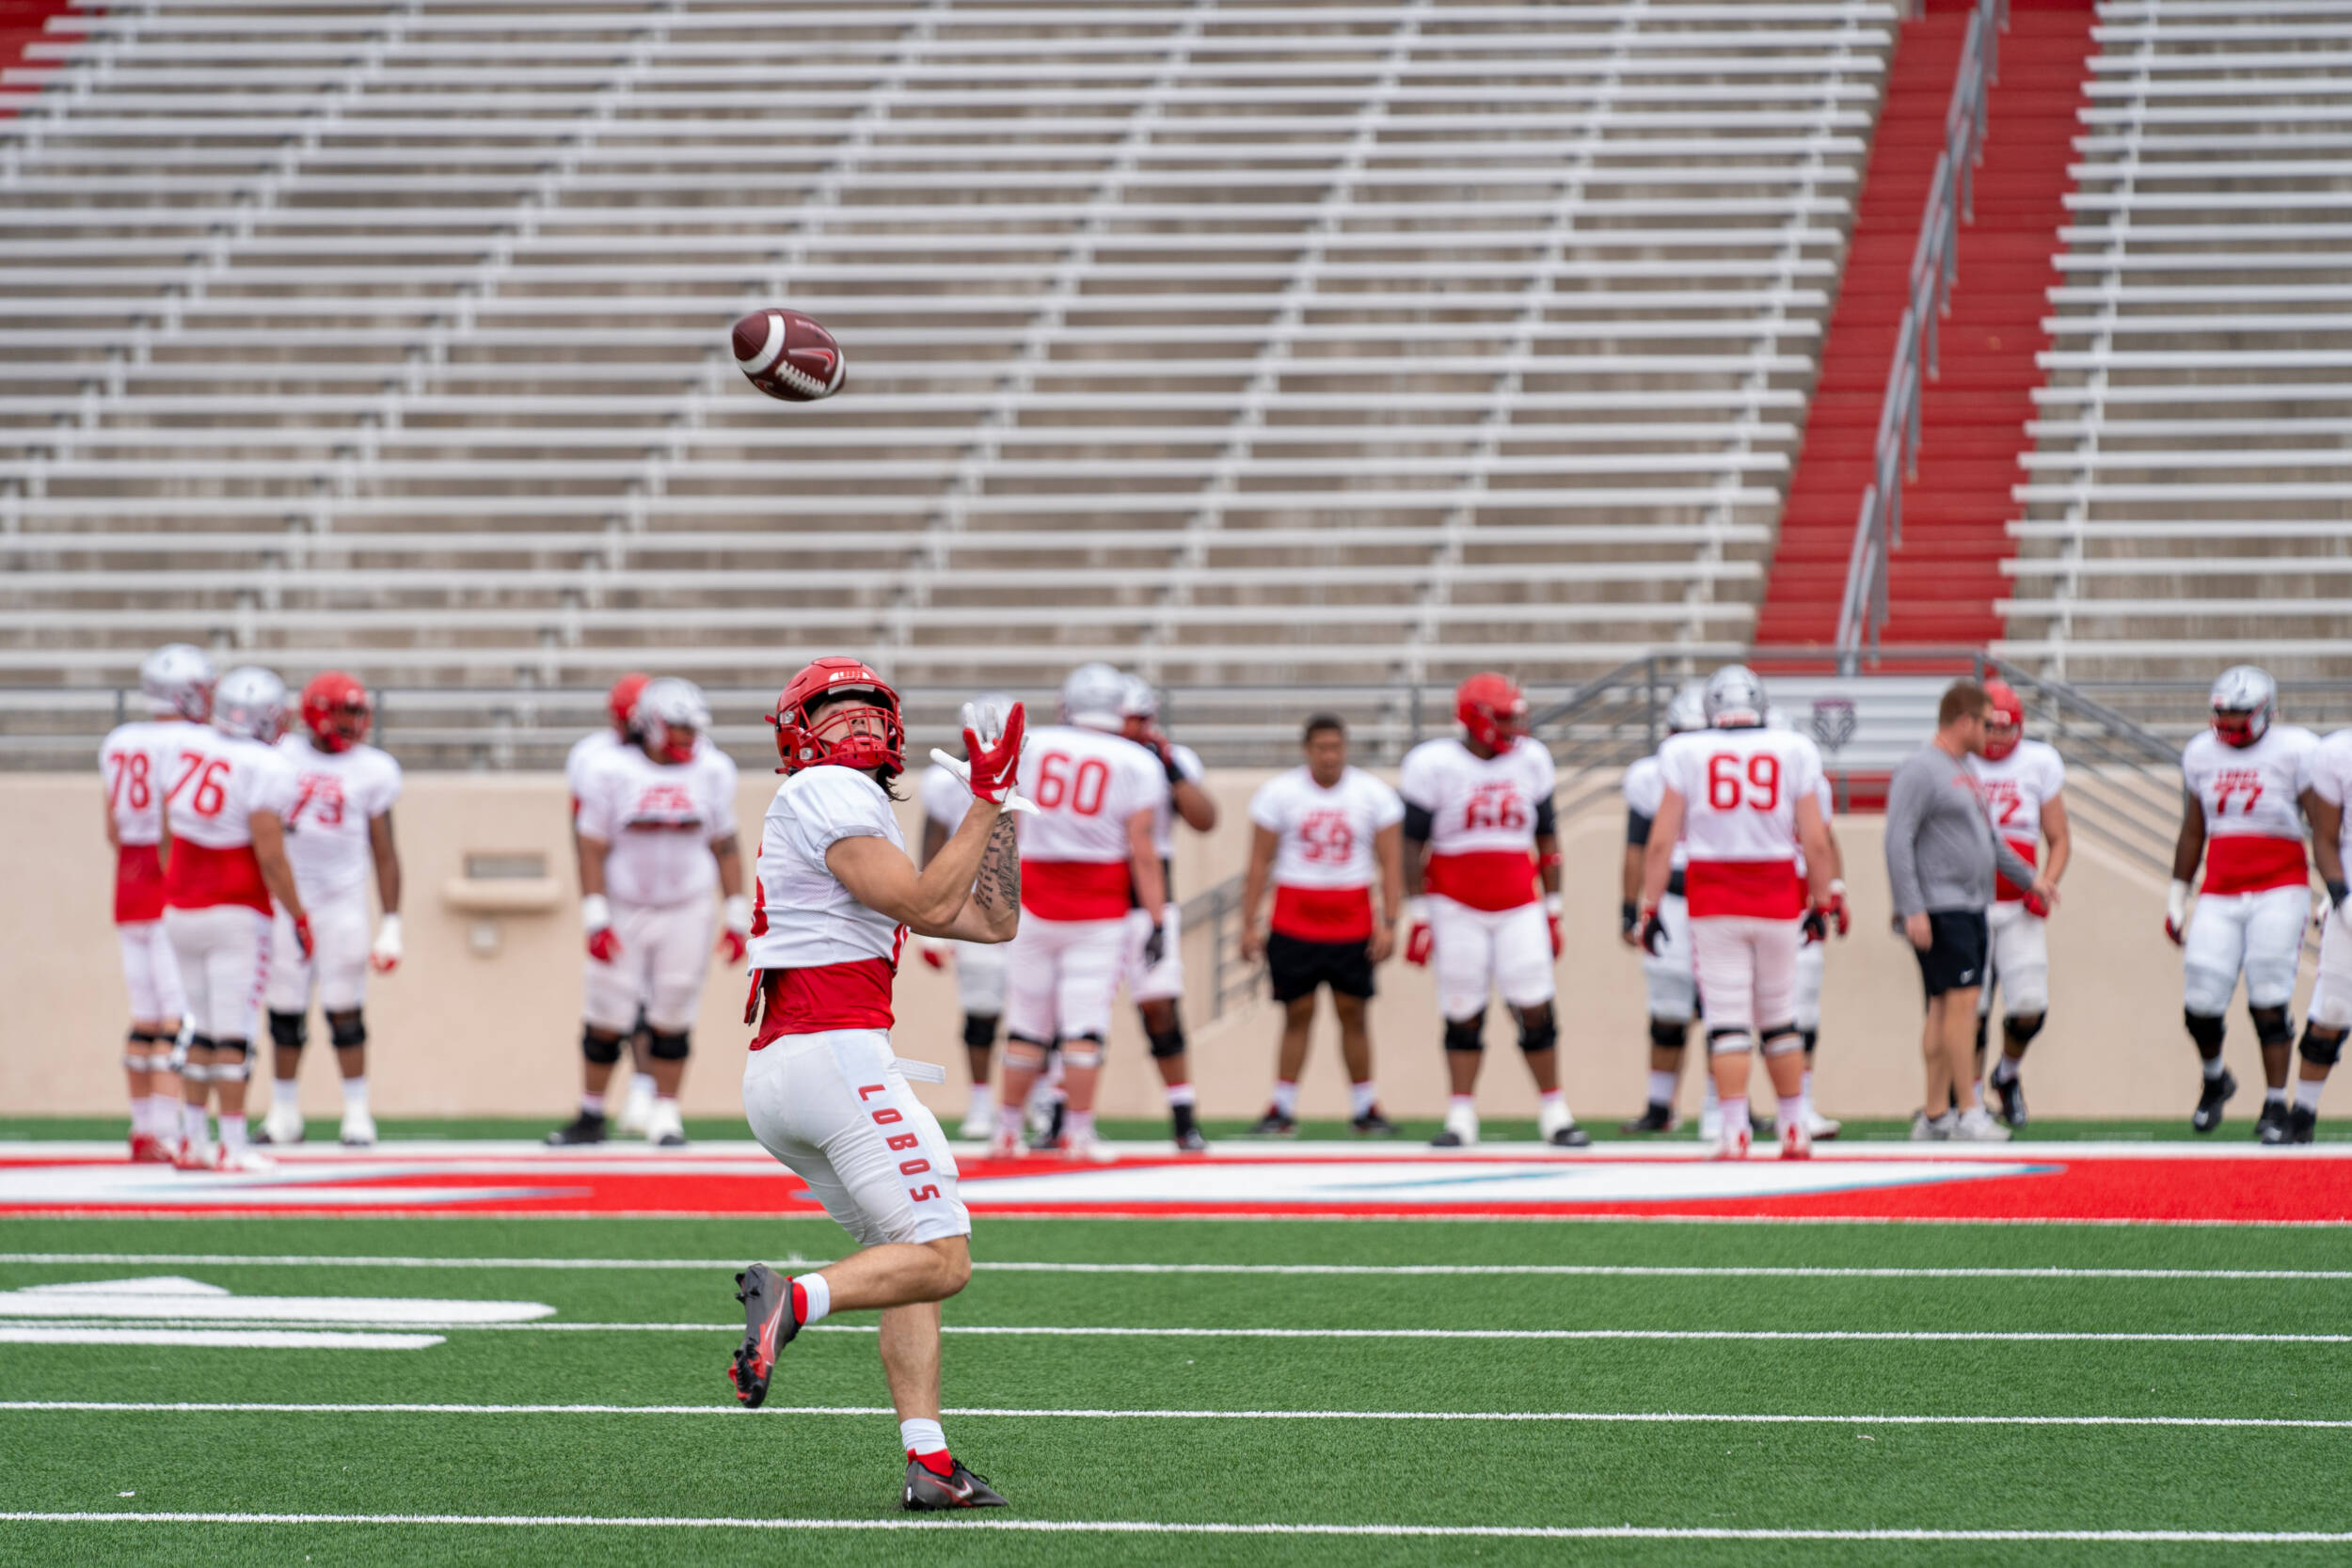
x: 1071, y: 1458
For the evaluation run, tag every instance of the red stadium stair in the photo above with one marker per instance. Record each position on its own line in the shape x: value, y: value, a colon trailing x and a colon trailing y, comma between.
x: 23, y: 23
x: 1945, y: 577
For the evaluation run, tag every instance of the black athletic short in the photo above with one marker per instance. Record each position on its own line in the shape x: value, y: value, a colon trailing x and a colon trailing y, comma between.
x: 1954, y: 959
x: 1298, y: 966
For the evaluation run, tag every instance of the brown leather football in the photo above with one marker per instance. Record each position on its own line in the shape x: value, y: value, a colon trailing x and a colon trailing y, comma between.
x: 788, y: 356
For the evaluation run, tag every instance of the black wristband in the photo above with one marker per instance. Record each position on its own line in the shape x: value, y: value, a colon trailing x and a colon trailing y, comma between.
x: 1175, y: 770
x: 1629, y: 914
x: 2337, y: 891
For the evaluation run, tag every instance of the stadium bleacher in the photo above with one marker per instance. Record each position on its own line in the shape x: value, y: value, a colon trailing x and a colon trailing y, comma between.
x: 1283, y: 345
x: 2189, y: 504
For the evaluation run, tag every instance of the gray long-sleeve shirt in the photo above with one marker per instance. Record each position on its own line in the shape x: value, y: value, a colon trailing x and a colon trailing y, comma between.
x: 1941, y: 849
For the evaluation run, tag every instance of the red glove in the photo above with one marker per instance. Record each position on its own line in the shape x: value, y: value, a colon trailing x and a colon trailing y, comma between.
x: 603, y: 945
x: 732, y: 946
x: 2037, y: 906
x: 1835, y: 911
x: 934, y: 953
x: 302, y: 936
x: 1417, y: 940
x: 1552, y: 920
x: 995, y: 758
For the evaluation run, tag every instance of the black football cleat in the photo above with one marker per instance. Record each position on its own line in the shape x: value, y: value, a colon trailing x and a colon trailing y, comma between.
x: 584, y: 1129
x: 928, y: 1493
x: 2009, y: 1097
x: 1763, y: 1129
x: 1185, y: 1126
x: 1274, y: 1124
x: 1656, y: 1118
x: 768, y: 1327
x: 1570, y: 1136
x: 1371, y: 1124
x: 1050, y: 1136
x: 2303, y: 1125
x: 2216, y: 1094
x: 1447, y: 1138
x: 2271, y: 1126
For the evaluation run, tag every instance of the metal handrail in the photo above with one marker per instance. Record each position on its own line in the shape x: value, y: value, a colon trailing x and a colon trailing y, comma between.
x: 1934, y: 267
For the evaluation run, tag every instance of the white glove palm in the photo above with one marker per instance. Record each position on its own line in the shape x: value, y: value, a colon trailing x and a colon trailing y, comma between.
x: 384, y: 956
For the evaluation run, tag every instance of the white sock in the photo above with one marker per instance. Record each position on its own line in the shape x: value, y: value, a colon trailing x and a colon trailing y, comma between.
x: 640, y: 1085
x: 1552, y: 1099
x: 2306, y: 1094
x: 355, y: 1093
x: 193, y: 1125
x: 592, y: 1104
x: 820, y: 1295
x: 232, y: 1131
x: 666, y: 1104
x: 1178, y: 1094
x: 2274, y: 1097
x: 163, y: 1114
x: 1662, y: 1086
x: 1362, y: 1099
x: 139, y: 1115
x: 1462, y: 1102
x: 2005, y: 1070
x: 286, y: 1092
x: 1792, y: 1112
x: 1286, y: 1096
x: 1735, y: 1113
x: 2213, y: 1068
x: 919, y: 1436
x: 1805, y: 1084
x: 1079, y: 1127
x: 1713, y: 1101
x: 983, y: 1099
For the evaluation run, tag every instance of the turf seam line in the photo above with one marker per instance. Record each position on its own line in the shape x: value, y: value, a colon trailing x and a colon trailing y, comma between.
x: 1155, y: 1527
x: 1595, y: 1416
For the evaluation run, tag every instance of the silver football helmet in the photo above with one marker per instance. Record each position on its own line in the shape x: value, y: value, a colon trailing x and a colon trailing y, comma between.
x: 1687, y: 709
x: 1734, y: 699
x: 1141, y: 700
x: 178, y: 678
x: 669, y: 715
x: 2245, y: 700
x: 250, y: 703
x: 1094, y: 698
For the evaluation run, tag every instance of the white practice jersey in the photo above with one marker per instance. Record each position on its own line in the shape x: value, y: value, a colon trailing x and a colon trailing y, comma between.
x: 215, y: 784
x: 337, y: 794
x: 1164, y: 823
x: 1322, y: 838
x: 1740, y: 789
x: 945, y: 799
x: 133, y: 759
x: 1644, y: 787
x: 2016, y: 789
x: 806, y: 919
x: 659, y: 821
x: 2252, y: 801
x: 2331, y: 768
x: 1087, y: 785
x: 586, y: 753
x: 1482, y: 817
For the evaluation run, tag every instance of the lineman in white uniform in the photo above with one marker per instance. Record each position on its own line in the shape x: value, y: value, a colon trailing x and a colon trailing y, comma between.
x: 1157, y: 986
x: 821, y: 1088
x: 341, y: 826
x: 2332, y: 998
x: 1478, y: 841
x: 1086, y: 856
x: 657, y: 835
x: 2022, y: 783
x: 134, y: 760
x: 979, y: 966
x: 1667, y: 974
x: 587, y: 753
x: 2246, y: 781
x: 1746, y: 797
x: 225, y: 808
x: 1812, y: 959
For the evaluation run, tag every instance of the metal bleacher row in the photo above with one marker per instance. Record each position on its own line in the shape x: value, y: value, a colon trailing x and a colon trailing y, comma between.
x: 2189, y: 504
x: 1267, y: 346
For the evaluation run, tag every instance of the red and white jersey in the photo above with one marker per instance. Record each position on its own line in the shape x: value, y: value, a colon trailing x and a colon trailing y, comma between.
x: 1740, y: 790
x: 1087, y: 785
x: 337, y: 794
x: 838, y: 957
x: 587, y: 753
x: 2016, y: 789
x: 1324, y: 864
x: 1482, y: 818
x: 134, y: 761
x: 944, y: 797
x: 1644, y: 787
x: 659, y: 821
x: 2253, y: 800
x: 214, y: 784
x: 1163, y: 824
x: 2331, y: 770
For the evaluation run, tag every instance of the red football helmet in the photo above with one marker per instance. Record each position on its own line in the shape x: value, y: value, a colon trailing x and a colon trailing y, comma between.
x: 622, y: 701
x: 1492, y: 709
x: 336, y: 710
x: 849, y: 735
x: 2004, y: 722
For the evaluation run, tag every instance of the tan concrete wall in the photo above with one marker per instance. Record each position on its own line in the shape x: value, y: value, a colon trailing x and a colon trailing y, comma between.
x: 457, y: 1032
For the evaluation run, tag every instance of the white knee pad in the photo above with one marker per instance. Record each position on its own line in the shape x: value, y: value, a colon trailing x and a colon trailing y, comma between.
x: 2207, y: 991
x: 1082, y: 1055
x: 1730, y: 1042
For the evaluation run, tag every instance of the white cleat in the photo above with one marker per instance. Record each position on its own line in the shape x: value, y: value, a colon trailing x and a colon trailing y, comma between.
x: 637, y: 1112
x: 358, y: 1130
x: 1821, y: 1128
x: 1086, y: 1150
x: 241, y: 1162
x: 1926, y: 1128
x: 1460, y: 1130
x: 665, y: 1127
x: 1005, y: 1143
x: 980, y: 1122
x: 1795, y: 1141
x: 1976, y: 1126
x: 1711, y: 1124
x: 282, y: 1127
x: 1733, y: 1143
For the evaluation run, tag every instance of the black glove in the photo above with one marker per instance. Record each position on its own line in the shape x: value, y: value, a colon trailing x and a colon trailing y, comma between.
x: 1628, y: 916
x: 1815, y: 927
x: 1653, y: 933
x: 1155, y: 946
x: 2337, y: 891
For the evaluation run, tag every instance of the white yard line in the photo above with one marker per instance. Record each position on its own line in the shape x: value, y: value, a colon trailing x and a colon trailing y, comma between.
x: 1636, y: 1417
x: 1559, y: 1271
x: 1155, y: 1527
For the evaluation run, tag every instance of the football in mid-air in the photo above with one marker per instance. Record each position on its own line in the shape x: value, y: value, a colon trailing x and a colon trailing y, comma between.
x: 788, y: 356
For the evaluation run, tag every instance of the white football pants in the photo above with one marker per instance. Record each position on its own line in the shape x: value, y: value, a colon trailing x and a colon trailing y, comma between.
x: 2021, y: 963
x: 151, y: 972
x: 665, y: 957
x: 833, y: 1106
x: 224, y: 967
x: 1476, y: 952
x: 980, y: 977
x: 2258, y: 933
x: 338, y: 961
x: 1160, y: 981
x: 1061, y: 976
x: 1747, y: 970
x: 2332, y: 998
x: 1667, y: 974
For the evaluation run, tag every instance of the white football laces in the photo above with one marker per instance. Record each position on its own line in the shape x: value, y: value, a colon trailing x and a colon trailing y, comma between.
x: 988, y: 726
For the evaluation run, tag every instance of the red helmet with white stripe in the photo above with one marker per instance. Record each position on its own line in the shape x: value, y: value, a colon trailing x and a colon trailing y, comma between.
x: 336, y: 710
x: 2004, y: 720
x: 861, y: 735
x: 1492, y: 709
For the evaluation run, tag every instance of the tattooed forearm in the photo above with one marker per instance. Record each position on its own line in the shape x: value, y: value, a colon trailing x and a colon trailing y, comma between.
x: 997, y: 889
